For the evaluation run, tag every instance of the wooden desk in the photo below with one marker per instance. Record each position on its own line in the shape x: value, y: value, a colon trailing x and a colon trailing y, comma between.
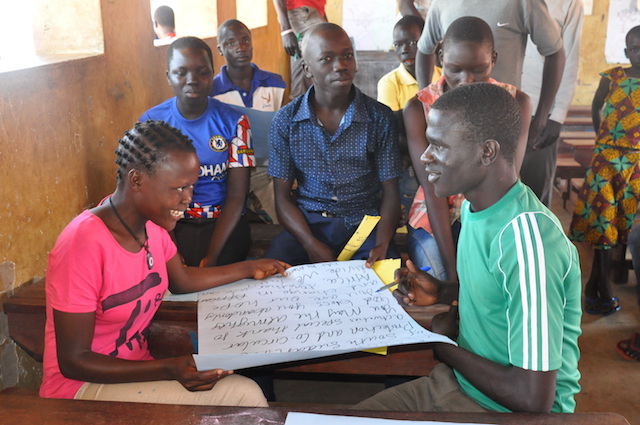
x: 24, y: 409
x: 170, y: 336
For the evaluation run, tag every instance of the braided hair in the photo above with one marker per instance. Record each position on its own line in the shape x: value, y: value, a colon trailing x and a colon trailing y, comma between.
x: 147, y: 144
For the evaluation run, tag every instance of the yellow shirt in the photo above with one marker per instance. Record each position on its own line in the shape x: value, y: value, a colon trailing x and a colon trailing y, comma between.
x: 398, y: 86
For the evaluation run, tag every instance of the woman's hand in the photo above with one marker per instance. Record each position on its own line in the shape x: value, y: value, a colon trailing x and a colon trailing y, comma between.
x: 185, y: 372
x: 266, y: 267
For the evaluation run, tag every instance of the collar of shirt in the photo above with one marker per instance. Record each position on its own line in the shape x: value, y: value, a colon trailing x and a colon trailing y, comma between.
x: 405, y: 76
x: 356, y: 112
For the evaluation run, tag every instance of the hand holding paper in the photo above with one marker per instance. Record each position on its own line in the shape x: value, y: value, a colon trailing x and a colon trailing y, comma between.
x: 416, y: 287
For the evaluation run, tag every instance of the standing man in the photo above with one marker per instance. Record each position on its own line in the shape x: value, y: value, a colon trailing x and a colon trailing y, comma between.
x: 342, y: 149
x: 296, y: 17
x: 539, y: 166
x: 511, y: 23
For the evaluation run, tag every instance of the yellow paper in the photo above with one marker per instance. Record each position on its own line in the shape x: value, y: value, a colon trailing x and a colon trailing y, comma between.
x: 382, y: 351
x: 363, y: 231
x: 385, y: 269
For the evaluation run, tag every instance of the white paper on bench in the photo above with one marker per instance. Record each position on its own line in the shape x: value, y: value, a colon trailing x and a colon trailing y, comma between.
x: 316, y: 310
x: 299, y: 418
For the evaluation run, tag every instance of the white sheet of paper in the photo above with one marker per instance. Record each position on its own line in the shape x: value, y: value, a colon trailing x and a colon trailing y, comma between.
x: 316, y: 310
x: 299, y: 418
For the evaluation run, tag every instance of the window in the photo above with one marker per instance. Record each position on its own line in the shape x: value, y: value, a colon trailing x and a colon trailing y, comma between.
x: 37, y: 32
x: 252, y: 13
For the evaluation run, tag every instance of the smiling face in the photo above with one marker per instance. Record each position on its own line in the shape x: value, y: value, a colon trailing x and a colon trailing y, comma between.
x: 190, y: 76
x: 405, y: 41
x: 167, y: 191
x: 329, y: 60
x: 234, y: 43
x: 452, y: 161
x: 466, y: 62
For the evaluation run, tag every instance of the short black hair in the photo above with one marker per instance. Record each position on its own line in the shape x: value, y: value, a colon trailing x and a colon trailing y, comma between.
x: 321, y: 27
x: 468, y: 28
x: 188, y: 43
x: 410, y: 20
x: 633, y: 32
x: 229, y: 23
x: 147, y: 144
x: 164, y: 16
x: 488, y: 112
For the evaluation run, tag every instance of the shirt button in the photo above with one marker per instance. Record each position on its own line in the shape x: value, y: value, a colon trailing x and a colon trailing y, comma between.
x: 244, y: 94
x: 334, y: 198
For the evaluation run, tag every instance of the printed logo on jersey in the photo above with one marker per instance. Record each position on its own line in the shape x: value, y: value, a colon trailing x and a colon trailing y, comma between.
x: 218, y: 143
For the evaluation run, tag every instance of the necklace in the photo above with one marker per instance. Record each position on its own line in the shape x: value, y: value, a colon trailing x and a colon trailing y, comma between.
x: 144, y: 245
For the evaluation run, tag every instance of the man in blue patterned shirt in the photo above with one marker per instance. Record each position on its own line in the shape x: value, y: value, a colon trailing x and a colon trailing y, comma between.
x: 342, y: 149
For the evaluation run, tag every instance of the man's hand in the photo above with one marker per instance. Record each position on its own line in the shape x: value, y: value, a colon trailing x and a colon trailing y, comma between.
x: 320, y: 253
x: 415, y: 287
x: 290, y: 44
x: 547, y: 136
x: 447, y: 323
x: 378, y: 253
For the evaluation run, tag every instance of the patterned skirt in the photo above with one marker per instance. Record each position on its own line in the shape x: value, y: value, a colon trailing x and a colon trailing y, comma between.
x: 608, y: 201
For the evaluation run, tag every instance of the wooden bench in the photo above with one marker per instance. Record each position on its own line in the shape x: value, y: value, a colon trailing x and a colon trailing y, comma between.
x: 20, y: 409
x: 567, y: 169
x: 176, y: 322
x: 577, y: 134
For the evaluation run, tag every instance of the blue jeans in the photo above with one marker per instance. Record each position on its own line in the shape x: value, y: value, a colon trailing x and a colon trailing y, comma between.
x: 423, y: 250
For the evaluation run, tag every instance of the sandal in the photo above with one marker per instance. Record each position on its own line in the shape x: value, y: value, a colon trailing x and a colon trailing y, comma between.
x: 629, y: 349
x: 597, y: 306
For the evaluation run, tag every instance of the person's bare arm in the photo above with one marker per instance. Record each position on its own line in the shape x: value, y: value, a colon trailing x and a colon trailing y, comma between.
x: 525, y: 109
x: 598, y: 100
x: 237, y: 189
x: 438, y: 208
x: 289, y: 40
x: 193, y: 279
x: 389, y: 217
x: 517, y: 389
x: 424, y: 68
x: 406, y: 7
x: 293, y: 220
x: 74, y: 336
x: 551, y: 78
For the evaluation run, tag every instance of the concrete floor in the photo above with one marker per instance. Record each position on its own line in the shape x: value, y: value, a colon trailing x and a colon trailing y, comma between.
x: 609, y: 384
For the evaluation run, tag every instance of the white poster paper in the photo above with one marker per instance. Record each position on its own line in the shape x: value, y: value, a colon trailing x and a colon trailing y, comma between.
x: 316, y: 310
x: 299, y: 418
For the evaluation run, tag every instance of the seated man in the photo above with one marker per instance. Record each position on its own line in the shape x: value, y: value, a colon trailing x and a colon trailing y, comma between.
x: 240, y: 82
x: 400, y: 85
x: 342, y: 149
x: 519, y: 275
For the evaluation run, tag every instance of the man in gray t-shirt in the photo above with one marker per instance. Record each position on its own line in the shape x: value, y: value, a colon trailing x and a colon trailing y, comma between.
x: 511, y: 22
